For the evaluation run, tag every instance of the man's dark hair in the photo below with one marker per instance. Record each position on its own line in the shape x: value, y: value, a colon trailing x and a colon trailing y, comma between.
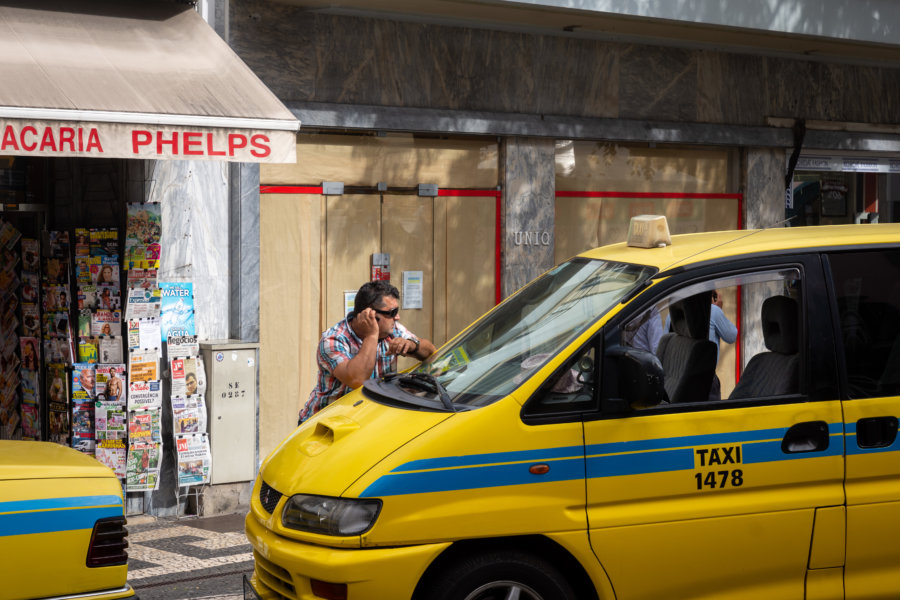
x: 371, y: 294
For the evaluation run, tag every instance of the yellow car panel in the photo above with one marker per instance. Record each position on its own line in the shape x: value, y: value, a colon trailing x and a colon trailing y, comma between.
x: 705, y: 502
x: 50, y: 499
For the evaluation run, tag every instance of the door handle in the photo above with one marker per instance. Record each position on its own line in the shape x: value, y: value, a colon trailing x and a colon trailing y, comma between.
x: 876, y: 432
x: 810, y: 436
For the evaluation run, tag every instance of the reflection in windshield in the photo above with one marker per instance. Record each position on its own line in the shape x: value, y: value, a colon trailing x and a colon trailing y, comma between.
x: 488, y: 361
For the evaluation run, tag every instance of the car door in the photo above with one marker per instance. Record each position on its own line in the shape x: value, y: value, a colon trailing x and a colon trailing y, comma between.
x: 706, y: 498
x: 866, y: 288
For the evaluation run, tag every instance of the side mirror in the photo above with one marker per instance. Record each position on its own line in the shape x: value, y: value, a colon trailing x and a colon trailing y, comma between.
x: 640, y: 379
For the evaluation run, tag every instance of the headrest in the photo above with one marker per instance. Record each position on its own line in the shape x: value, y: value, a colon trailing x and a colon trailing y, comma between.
x: 780, y: 324
x: 690, y: 316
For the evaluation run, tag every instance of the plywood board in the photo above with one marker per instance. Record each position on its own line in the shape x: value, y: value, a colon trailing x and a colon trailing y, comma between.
x: 399, y: 160
x: 471, y: 260
x: 288, y: 315
x: 352, y: 235
x: 408, y: 236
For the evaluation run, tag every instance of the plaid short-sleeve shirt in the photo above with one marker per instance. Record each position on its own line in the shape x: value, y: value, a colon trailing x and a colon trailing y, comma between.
x: 337, y: 345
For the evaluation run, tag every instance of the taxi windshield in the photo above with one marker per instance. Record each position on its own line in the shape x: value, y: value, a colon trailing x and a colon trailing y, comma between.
x: 506, y: 347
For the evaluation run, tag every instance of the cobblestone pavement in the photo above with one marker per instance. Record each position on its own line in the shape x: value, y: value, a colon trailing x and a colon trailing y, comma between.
x: 189, y: 557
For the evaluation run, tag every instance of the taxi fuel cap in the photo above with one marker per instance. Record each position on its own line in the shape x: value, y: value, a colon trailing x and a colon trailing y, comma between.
x: 649, y: 231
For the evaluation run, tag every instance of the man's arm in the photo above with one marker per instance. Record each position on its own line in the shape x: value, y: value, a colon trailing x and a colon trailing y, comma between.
x: 357, y: 369
x: 724, y: 328
x: 407, y: 346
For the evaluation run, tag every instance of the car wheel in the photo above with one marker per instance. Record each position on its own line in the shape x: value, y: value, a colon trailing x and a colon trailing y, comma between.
x: 499, y: 576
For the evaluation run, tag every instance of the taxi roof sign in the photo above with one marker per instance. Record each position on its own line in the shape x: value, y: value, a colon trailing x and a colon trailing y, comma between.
x: 649, y: 231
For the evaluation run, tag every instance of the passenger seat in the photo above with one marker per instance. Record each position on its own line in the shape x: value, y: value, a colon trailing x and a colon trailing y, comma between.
x: 777, y: 372
x: 687, y: 356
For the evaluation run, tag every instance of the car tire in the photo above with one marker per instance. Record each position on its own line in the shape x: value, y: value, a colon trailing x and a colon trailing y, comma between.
x: 498, y: 576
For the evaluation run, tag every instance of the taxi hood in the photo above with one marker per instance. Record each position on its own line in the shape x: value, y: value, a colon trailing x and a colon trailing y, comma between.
x: 342, y: 442
x: 45, y: 460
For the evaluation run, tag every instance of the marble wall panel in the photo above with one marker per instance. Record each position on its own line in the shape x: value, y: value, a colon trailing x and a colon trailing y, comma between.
x: 658, y: 83
x: 528, y: 218
x: 195, y: 239
x: 305, y: 56
x: 730, y: 89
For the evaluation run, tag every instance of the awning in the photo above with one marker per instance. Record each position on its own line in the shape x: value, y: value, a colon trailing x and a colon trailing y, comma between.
x: 131, y: 79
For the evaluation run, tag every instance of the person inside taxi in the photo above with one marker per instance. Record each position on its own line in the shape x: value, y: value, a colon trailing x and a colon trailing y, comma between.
x: 363, y: 345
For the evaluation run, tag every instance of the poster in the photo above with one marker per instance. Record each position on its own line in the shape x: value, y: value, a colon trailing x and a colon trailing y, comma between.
x: 193, y: 459
x: 142, y: 466
x: 412, y: 289
x: 177, y: 309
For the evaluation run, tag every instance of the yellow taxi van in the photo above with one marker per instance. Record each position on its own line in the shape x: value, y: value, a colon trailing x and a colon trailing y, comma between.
x: 586, y: 439
x: 62, y: 525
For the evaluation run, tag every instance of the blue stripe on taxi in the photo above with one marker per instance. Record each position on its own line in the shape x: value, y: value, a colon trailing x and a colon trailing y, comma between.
x: 44, y: 515
x: 451, y: 473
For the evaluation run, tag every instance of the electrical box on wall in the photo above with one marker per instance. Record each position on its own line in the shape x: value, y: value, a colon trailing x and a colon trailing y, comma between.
x: 232, y: 399
x: 381, y: 266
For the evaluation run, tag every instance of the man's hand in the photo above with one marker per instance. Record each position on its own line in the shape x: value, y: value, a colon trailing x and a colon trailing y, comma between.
x: 401, y: 346
x: 365, y: 324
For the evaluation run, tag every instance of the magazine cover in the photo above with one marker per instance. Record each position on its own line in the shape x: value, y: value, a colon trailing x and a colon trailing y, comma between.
x: 106, y: 322
x: 142, y: 467
x: 110, y: 384
x: 194, y: 459
x: 84, y: 323
x: 105, y: 242
x: 59, y: 425
x: 83, y: 270
x: 87, y: 297
x: 57, y: 390
x: 55, y: 271
x: 59, y: 245
x: 144, y: 394
x: 29, y: 348
x: 110, y: 421
x: 31, y: 422
x: 31, y: 283
x: 31, y: 320
x: 31, y: 255
x: 143, y: 224
x: 83, y: 385
x: 57, y: 350
x: 56, y: 298
x: 112, y: 453
x: 88, y: 349
x: 56, y: 324
x: 82, y: 243
x: 110, y: 350
x: 177, y: 308
x: 104, y: 270
x: 108, y: 297
x: 143, y: 302
x: 143, y: 365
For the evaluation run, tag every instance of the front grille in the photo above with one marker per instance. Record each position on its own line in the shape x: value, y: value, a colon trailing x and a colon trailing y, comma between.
x: 269, y: 497
x: 274, y: 579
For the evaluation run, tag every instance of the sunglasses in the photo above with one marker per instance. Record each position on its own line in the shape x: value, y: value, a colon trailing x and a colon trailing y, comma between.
x: 388, y: 313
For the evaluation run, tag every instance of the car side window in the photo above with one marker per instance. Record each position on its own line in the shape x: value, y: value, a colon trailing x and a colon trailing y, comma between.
x: 696, y: 330
x: 571, y: 389
x: 867, y: 291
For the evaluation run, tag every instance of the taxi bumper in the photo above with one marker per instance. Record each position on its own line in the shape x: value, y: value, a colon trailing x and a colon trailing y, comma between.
x: 284, y: 567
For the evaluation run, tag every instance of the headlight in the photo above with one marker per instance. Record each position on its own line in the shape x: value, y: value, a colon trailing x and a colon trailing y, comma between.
x: 330, y: 516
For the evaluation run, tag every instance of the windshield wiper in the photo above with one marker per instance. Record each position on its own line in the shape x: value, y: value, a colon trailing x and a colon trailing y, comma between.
x: 428, y: 383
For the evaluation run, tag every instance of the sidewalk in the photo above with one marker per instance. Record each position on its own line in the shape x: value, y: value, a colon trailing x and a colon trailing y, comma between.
x: 190, y: 557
